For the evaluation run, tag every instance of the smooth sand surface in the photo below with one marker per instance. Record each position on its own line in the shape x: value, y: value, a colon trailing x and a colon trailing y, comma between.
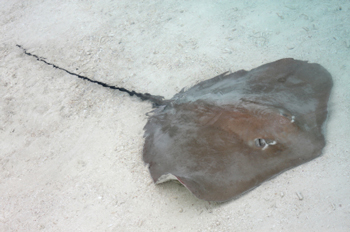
x: 71, y: 151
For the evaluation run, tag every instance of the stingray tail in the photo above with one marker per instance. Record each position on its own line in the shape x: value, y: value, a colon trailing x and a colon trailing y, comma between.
x: 155, y: 99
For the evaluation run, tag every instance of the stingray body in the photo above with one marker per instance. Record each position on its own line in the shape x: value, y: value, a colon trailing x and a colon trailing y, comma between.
x: 227, y: 135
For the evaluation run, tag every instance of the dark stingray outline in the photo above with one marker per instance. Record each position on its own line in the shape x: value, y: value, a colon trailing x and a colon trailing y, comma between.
x: 162, y: 104
x: 310, y: 124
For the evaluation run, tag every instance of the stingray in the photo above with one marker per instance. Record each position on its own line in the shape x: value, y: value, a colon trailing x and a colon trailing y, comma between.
x: 225, y: 136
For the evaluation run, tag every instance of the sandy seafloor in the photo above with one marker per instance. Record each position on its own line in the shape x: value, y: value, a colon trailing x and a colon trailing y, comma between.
x: 71, y: 151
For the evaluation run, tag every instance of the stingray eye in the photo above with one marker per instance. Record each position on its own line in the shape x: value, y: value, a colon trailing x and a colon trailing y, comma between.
x: 289, y: 116
x: 260, y: 142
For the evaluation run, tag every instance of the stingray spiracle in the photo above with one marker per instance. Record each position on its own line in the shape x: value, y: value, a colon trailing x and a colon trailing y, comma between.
x: 259, y: 142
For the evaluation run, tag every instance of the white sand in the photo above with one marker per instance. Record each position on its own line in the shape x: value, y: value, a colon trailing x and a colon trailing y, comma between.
x: 71, y: 151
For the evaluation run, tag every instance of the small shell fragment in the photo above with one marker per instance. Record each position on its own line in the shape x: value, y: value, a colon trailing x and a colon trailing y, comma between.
x: 300, y: 196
